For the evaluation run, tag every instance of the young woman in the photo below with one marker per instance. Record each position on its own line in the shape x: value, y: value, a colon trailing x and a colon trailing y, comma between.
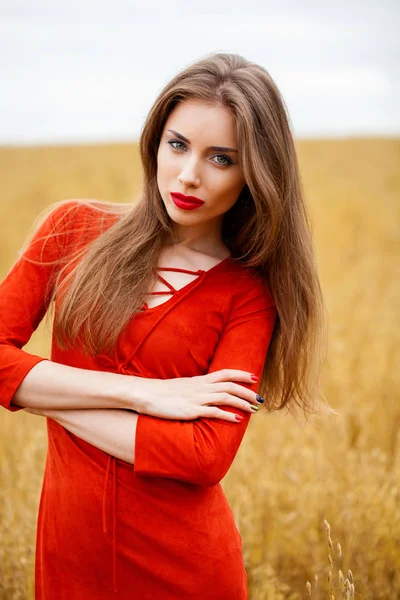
x: 172, y: 316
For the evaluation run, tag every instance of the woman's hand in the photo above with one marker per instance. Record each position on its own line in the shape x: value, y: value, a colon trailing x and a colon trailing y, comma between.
x: 187, y: 398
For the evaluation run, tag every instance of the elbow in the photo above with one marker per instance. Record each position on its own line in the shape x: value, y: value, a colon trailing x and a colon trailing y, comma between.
x: 210, y: 479
x: 215, y: 450
x: 212, y: 470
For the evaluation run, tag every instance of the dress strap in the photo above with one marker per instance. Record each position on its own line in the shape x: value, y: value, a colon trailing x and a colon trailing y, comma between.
x: 180, y: 270
x: 171, y: 289
x: 167, y: 283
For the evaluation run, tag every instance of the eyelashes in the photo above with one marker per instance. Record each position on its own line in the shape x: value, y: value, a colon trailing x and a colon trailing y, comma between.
x: 220, y: 164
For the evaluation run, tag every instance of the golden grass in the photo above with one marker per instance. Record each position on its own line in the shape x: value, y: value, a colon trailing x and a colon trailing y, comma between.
x: 288, y: 481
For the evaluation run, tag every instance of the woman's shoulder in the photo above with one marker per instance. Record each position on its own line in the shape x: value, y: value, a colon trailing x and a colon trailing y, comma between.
x: 82, y: 219
x: 82, y: 211
x: 66, y: 223
x: 245, y: 283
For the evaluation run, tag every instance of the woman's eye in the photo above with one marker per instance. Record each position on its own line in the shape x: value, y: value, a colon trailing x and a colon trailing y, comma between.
x: 227, y: 161
x: 173, y: 142
x: 220, y: 159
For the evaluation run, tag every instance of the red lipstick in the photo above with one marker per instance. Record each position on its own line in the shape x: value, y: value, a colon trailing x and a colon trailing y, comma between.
x: 186, y: 202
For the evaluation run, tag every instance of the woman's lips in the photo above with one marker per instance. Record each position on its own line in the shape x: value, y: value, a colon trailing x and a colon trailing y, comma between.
x: 186, y: 202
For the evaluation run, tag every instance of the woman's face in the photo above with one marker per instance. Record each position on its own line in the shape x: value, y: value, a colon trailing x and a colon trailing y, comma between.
x: 197, y: 156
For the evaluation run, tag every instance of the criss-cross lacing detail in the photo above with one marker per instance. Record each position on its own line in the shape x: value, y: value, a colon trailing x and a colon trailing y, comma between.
x: 171, y: 290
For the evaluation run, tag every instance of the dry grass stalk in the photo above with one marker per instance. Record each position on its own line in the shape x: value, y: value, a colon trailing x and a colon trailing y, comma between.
x: 345, y: 586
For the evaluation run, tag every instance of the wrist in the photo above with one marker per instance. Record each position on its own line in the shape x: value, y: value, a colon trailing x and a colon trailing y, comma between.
x: 130, y: 393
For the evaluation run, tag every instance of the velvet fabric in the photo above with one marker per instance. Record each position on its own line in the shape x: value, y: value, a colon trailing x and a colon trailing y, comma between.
x: 161, y: 528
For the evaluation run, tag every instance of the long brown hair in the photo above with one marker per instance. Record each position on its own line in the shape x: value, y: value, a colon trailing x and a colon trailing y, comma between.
x: 268, y: 228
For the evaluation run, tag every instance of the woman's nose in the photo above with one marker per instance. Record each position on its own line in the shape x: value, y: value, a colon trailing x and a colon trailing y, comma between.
x: 189, y: 175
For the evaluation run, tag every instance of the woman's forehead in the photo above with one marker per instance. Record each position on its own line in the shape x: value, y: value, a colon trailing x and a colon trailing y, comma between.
x: 203, y: 121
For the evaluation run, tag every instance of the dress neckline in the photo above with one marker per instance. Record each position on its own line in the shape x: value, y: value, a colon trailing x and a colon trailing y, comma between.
x: 221, y: 262
x: 202, y: 274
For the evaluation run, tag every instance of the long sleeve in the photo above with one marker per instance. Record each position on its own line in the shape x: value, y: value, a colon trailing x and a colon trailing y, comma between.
x: 24, y: 297
x: 201, y: 451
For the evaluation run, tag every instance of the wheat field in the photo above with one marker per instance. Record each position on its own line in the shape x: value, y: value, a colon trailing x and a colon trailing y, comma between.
x: 317, y: 505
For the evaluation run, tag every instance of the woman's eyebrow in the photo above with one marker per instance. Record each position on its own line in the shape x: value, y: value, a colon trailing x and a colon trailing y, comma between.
x: 218, y: 148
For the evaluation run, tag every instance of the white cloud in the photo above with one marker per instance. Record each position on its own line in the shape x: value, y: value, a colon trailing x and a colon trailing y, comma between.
x: 66, y: 78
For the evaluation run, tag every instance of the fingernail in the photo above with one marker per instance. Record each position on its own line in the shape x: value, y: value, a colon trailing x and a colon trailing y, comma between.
x: 238, y: 418
x: 259, y: 399
x: 254, y: 377
x: 255, y: 407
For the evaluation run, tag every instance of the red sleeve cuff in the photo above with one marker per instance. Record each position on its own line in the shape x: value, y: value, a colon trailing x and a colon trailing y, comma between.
x: 156, y: 456
x: 17, y: 370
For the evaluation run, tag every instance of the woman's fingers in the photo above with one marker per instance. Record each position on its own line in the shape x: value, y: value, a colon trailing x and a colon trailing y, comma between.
x: 189, y: 398
x: 225, y: 399
x: 236, y: 390
x: 217, y: 413
x: 231, y: 375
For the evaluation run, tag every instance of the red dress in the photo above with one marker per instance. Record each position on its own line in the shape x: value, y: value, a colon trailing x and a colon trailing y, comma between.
x: 160, y: 529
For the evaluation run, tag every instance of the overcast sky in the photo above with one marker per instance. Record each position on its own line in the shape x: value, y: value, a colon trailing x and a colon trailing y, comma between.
x: 89, y: 70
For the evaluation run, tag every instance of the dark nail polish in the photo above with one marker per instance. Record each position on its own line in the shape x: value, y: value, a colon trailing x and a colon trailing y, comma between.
x: 259, y: 399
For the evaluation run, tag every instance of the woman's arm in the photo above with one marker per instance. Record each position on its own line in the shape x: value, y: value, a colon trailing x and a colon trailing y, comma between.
x: 110, y: 430
x: 114, y: 430
x: 50, y: 385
